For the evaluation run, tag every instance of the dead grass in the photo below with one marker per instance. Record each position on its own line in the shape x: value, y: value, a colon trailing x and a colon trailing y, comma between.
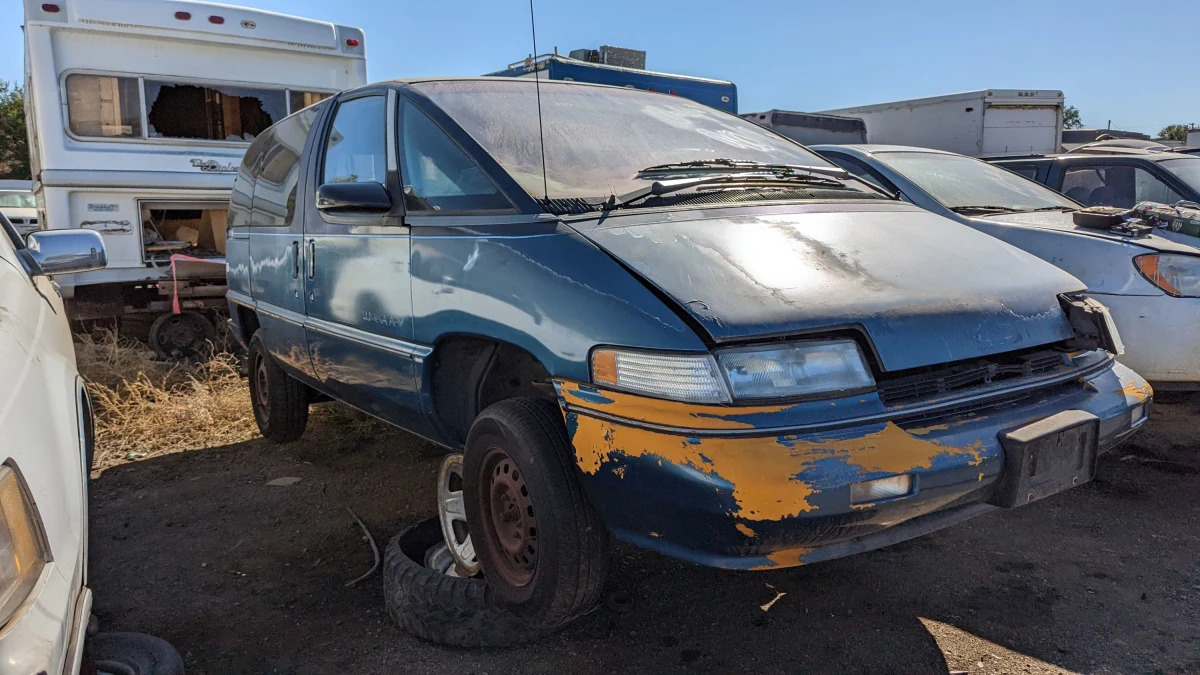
x: 146, y: 407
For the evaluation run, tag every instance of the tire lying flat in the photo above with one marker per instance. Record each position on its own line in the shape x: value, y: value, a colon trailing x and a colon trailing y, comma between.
x: 131, y: 654
x: 445, y: 609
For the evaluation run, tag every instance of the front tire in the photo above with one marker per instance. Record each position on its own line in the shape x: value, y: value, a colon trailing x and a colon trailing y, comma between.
x: 279, y: 401
x: 541, y: 544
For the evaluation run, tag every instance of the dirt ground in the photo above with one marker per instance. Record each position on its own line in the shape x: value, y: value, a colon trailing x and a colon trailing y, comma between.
x: 243, y: 576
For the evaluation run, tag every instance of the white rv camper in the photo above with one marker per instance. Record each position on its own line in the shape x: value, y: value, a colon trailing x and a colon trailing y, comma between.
x: 139, y: 114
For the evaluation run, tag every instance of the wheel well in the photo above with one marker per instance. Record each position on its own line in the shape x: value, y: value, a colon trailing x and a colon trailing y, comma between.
x: 472, y: 373
x: 247, y: 323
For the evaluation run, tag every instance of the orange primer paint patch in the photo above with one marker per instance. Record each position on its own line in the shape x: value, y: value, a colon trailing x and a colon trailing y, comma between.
x: 745, y: 530
x: 788, y: 557
x: 762, y: 470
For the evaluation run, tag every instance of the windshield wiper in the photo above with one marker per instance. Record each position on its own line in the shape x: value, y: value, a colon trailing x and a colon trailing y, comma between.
x: 1051, y: 208
x: 725, y: 165
x: 997, y: 209
x: 664, y: 187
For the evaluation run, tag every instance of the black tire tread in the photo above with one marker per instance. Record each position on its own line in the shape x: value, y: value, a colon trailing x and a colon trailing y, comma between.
x: 289, y: 399
x: 444, y: 609
x: 584, y: 540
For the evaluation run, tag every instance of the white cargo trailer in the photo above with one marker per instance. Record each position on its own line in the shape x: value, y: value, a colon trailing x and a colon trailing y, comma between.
x: 986, y: 122
x: 1193, y: 138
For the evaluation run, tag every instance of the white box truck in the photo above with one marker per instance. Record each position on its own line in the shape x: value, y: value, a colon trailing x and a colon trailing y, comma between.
x: 990, y: 122
x: 139, y: 113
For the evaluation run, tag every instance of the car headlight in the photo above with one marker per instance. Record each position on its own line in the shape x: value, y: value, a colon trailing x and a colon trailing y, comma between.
x: 1177, y: 274
x: 22, y: 548
x: 745, y: 373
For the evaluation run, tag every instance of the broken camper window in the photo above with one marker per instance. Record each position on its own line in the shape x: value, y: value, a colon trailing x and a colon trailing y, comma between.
x: 299, y: 100
x: 102, y: 105
x: 211, y: 112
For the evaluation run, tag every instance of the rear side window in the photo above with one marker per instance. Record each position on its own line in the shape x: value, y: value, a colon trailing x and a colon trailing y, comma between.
x: 1121, y: 186
x: 279, y: 177
x: 105, y: 106
x: 437, y: 174
x: 356, y: 149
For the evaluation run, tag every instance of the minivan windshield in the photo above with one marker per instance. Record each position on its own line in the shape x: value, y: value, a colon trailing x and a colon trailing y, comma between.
x: 598, y: 138
x: 1187, y: 169
x: 958, y: 182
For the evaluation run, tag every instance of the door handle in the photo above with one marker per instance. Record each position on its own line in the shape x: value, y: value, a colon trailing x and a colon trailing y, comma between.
x: 312, y: 258
x: 295, y: 260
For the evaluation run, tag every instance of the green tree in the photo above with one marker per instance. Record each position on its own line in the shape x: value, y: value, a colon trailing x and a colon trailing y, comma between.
x: 1071, y: 118
x: 14, y: 143
x: 1175, y: 132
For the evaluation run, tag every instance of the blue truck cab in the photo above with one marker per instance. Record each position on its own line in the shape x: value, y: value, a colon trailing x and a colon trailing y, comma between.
x: 719, y: 94
x: 664, y: 323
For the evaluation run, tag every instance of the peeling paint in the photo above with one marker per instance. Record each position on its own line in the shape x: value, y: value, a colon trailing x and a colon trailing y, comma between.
x: 788, y: 557
x: 655, y: 534
x: 1136, y: 390
x: 658, y: 411
x: 767, y: 473
x: 619, y: 472
x: 745, y: 530
x: 980, y: 477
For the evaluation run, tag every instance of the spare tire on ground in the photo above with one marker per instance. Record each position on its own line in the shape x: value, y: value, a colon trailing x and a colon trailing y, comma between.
x: 131, y: 654
x: 441, y: 607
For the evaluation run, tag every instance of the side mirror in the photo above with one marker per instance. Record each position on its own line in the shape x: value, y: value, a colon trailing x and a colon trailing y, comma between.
x: 354, y: 198
x: 65, y: 251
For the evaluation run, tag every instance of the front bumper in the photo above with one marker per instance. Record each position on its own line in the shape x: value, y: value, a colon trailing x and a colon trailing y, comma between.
x: 727, y: 487
x: 46, y: 634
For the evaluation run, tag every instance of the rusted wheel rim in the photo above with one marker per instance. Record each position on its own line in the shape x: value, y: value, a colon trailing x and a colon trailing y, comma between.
x: 262, y: 393
x: 512, y: 519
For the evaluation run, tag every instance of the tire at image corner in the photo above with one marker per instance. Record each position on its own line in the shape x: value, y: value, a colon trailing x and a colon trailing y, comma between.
x: 444, y: 609
x: 131, y: 653
x: 285, y: 414
x: 572, y: 540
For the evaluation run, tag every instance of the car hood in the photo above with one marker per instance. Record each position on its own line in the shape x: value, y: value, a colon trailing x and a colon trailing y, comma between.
x: 925, y: 289
x: 1062, y: 221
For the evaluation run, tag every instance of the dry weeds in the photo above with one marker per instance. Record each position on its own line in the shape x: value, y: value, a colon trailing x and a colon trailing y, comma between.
x: 146, y: 407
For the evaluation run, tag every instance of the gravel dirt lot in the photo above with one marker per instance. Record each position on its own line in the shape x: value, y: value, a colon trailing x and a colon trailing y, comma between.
x: 194, y: 545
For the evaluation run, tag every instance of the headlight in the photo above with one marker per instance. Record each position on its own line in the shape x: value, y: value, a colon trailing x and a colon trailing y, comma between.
x: 744, y: 373
x: 1176, y: 274
x: 798, y: 369
x: 22, y: 551
x: 682, y: 377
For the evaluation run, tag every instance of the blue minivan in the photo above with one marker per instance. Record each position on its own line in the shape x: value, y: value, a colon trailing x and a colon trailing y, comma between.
x: 633, y: 314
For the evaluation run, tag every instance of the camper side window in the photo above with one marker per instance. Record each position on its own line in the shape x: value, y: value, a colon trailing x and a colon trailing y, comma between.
x: 211, y: 112
x: 103, y: 105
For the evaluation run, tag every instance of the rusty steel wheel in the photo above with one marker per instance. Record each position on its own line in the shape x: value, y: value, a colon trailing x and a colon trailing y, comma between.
x: 542, y: 547
x: 508, y: 509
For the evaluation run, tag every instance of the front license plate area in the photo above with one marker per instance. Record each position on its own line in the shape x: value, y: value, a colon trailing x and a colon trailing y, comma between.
x: 1047, y: 457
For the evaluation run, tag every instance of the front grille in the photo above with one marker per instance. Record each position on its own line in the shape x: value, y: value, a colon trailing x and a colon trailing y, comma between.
x: 938, y: 381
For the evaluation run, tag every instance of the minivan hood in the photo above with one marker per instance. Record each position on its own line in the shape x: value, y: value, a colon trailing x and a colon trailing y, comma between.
x: 1062, y: 221
x: 926, y: 289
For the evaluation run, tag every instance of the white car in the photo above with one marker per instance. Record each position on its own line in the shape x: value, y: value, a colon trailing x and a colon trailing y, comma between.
x: 18, y: 204
x: 46, y: 447
x: 1150, y: 283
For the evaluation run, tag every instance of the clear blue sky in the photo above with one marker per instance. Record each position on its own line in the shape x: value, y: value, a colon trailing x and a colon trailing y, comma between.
x: 1114, y: 60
